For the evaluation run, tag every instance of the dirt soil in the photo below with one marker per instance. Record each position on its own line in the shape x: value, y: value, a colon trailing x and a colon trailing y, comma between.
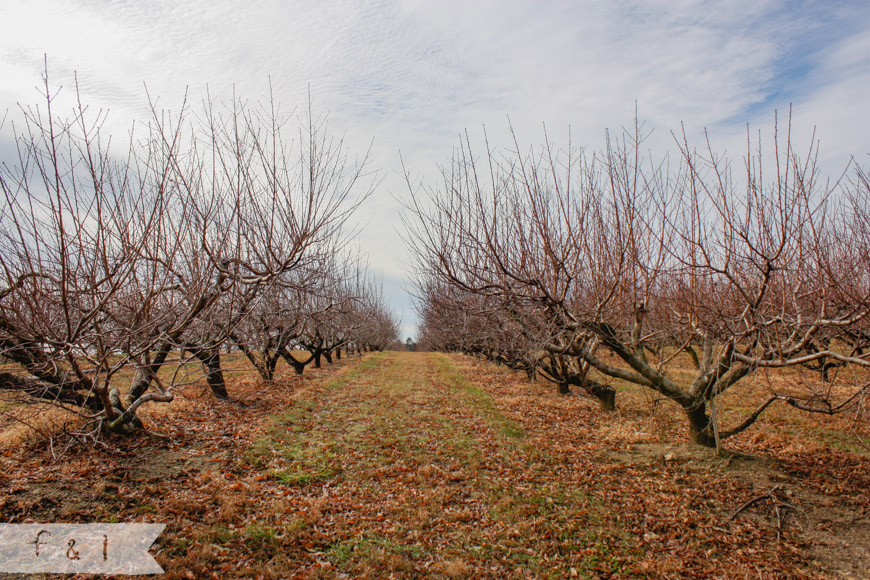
x: 424, y: 465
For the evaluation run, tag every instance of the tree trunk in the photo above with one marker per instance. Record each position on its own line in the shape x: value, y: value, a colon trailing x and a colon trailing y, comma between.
x: 145, y: 375
x: 700, y: 425
x: 328, y: 356
x: 264, y: 368
x: 270, y: 368
x: 338, y: 354
x: 211, y: 361
x: 531, y: 374
x: 604, y: 394
x: 317, y: 353
x: 298, y: 366
x: 72, y: 393
x: 126, y: 427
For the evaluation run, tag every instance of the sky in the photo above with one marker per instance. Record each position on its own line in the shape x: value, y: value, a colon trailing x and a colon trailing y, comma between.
x: 408, y: 77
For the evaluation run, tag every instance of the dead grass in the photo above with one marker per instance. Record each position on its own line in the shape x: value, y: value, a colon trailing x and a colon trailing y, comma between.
x: 25, y: 424
x: 412, y: 465
x: 849, y: 431
x: 819, y: 461
x: 25, y: 421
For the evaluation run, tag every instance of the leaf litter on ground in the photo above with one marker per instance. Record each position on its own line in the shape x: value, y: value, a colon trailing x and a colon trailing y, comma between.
x: 426, y: 465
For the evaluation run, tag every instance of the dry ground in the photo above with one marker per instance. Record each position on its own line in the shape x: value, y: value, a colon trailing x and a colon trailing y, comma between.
x: 422, y: 465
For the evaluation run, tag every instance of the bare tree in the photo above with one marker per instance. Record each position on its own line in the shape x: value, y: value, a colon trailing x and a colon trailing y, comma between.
x: 127, y: 264
x: 629, y: 263
x: 75, y: 309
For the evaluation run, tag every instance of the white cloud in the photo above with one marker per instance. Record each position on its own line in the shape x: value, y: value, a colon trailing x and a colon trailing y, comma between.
x: 415, y: 73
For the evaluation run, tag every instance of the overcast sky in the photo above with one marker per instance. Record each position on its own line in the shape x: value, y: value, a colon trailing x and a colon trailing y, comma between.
x: 414, y: 74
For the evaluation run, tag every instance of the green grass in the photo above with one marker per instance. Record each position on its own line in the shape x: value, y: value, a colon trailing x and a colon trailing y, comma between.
x: 217, y: 534
x: 260, y: 453
x: 369, y: 547
x: 410, y: 436
x: 480, y: 400
x: 303, y: 478
x: 259, y: 537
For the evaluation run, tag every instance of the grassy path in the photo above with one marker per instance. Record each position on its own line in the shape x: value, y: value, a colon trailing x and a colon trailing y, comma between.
x: 425, y: 465
x: 417, y: 473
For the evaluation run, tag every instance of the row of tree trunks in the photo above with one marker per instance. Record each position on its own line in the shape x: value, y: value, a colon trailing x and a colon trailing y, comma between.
x: 688, y: 275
